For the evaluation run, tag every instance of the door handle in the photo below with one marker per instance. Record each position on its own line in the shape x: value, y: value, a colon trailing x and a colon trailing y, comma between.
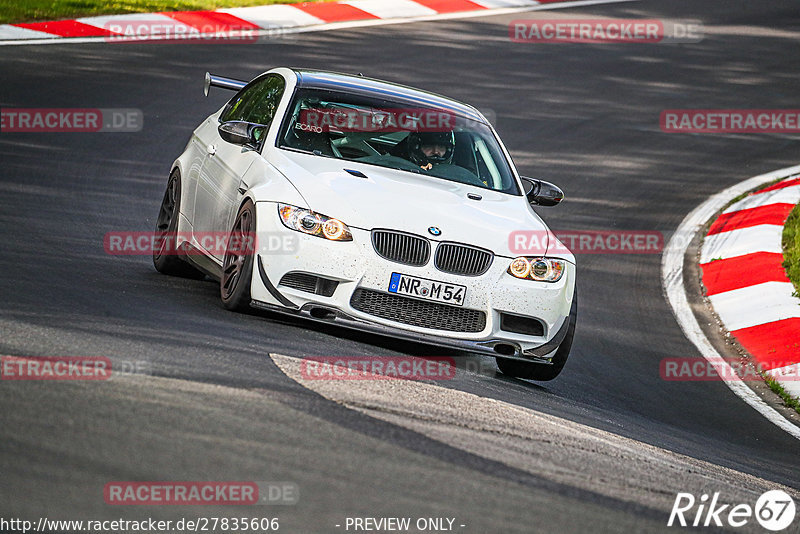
x: 211, y: 149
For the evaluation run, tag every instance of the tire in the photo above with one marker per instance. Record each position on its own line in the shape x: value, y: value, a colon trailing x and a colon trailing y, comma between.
x: 237, y: 265
x: 167, y: 228
x: 539, y: 371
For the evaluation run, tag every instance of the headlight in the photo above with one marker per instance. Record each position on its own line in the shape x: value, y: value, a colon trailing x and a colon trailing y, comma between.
x: 309, y: 222
x: 539, y: 269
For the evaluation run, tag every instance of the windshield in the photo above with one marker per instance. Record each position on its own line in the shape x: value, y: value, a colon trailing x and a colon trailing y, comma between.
x: 423, y: 140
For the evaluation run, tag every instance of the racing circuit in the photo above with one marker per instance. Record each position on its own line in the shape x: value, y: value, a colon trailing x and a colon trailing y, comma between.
x: 210, y: 395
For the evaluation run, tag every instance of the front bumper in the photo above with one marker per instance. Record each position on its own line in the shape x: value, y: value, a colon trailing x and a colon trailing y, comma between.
x: 355, y: 265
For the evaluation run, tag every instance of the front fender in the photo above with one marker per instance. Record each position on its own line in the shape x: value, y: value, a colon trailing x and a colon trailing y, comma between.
x: 264, y: 183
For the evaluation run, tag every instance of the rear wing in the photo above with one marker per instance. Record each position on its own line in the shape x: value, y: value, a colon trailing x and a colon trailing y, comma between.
x: 224, y: 83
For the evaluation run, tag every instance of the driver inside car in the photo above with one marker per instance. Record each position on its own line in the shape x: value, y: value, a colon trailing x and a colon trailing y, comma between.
x: 428, y: 149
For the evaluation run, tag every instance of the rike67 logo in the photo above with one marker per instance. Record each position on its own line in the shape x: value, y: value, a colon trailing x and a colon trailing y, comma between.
x: 774, y: 510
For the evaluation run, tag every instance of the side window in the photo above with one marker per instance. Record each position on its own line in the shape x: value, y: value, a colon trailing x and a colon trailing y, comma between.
x: 257, y: 102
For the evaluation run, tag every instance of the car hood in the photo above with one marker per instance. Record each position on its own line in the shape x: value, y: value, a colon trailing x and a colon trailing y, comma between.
x: 400, y: 200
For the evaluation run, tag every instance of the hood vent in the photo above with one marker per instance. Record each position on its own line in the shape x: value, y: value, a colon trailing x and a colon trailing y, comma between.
x: 358, y: 174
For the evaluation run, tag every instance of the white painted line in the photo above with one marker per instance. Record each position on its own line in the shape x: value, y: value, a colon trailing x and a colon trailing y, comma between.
x: 292, y: 29
x: 724, y: 245
x: 284, y: 16
x: 756, y: 305
x: 673, y: 282
x: 787, y: 195
x: 7, y: 31
x: 789, y: 377
x: 389, y: 9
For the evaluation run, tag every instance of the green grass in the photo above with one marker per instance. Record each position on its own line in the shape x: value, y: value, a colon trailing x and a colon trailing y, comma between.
x: 37, y: 10
x: 788, y: 400
x: 791, y: 247
x: 736, y: 199
x: 791, y: 262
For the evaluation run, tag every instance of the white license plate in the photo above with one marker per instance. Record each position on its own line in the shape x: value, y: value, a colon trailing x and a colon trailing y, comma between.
x: 423, y: 288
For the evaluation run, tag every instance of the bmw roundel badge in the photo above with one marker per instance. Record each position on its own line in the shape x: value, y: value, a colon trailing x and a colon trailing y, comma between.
x: 434, y: 231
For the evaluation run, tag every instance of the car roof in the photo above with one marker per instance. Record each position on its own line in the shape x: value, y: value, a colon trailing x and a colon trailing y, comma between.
x: 336, y: 81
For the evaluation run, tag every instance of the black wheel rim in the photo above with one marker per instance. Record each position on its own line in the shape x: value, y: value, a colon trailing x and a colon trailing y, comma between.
x: 236, y: 254
x: 166, y: 215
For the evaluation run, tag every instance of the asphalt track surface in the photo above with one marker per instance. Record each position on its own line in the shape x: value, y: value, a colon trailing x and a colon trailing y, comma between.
x: 605, y: 447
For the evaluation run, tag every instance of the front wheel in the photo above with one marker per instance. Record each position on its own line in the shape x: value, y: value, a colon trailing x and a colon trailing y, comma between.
x: 542, y: 371
x: 237, y: 266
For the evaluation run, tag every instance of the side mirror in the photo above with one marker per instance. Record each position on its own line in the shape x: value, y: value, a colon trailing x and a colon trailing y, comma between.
x: 541, y: 193
x: 242, y: 133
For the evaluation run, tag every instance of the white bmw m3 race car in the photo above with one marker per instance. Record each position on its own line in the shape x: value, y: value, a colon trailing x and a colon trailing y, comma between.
x: 375, y: 206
